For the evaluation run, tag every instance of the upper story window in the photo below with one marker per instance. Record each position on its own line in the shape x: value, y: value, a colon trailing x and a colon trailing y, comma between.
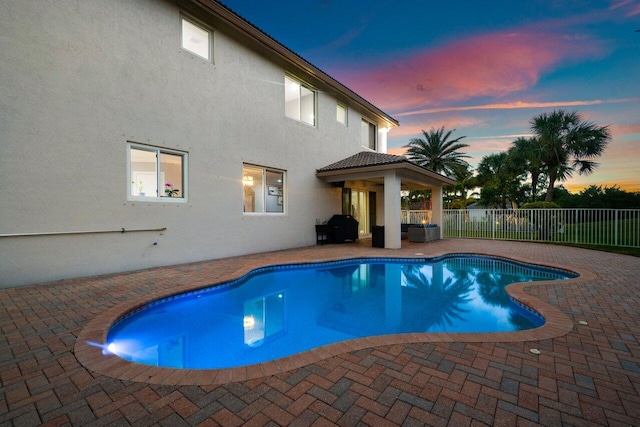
x: 299, y: 101
x: 196, y: 38
x: 368, y: 134
x: 263, y: 189
x: 156, y: 173
x: 341, y: 114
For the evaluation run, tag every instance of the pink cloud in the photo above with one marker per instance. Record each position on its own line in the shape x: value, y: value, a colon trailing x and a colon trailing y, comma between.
x: 397, y: 151
x: 518, y: 105
x: 479, y: 148
x: 620, y: 3
x: 454, y: 122
x: 630, y: 7
x: 495, y: 64
x: 619, y: 130
x: 510, y: 137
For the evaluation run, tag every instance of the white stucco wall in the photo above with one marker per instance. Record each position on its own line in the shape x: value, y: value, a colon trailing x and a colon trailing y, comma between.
x: 81, y: 79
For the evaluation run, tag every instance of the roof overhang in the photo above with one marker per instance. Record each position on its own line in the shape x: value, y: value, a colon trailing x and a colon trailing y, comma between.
x: 412, y: 176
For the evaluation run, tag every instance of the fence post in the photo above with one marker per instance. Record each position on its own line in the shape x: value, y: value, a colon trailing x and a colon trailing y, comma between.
x: 493, y: 224
x: 615, y: 233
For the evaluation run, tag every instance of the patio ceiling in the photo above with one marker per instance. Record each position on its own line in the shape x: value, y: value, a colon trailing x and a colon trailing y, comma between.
x: 372, y: 167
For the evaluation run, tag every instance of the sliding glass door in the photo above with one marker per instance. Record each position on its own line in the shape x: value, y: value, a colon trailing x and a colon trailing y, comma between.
x: 361, y: 205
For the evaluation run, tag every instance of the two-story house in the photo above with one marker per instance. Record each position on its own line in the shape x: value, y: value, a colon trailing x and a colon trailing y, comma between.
x: 143, y: 133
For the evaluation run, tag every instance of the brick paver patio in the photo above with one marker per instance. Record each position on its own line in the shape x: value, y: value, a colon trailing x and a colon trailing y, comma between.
x: 585, y: 375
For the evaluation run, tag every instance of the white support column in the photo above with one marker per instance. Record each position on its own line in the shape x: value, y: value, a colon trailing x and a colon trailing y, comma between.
x: 436, y: 207
x: 382, y: 139
x: 392, y: 216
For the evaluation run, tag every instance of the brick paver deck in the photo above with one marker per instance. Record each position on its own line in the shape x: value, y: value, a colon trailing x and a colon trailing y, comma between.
x: 585, y: 375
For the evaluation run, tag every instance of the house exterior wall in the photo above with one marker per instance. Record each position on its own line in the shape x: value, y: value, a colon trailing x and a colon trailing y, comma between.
x: 81, y: 79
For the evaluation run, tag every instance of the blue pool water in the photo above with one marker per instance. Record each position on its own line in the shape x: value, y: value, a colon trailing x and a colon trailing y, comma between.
x: 275, y: 312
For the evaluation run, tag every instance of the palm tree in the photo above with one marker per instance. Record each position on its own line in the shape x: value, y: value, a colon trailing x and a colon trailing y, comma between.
x: 436, y: 152
x: 465, y: 181
x: 528, y: 153
x: 569, y: 144
x: 500, y: 180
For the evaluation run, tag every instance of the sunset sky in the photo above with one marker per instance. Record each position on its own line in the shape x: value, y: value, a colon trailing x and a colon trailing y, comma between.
x: 485, y: 68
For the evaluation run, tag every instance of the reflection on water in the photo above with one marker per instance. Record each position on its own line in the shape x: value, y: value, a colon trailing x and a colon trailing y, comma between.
x: 447, y: 298
x: 252, y: 321
x: 263, y: 318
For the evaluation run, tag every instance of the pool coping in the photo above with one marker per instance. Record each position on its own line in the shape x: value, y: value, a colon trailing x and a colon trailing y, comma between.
x: 89, y: 346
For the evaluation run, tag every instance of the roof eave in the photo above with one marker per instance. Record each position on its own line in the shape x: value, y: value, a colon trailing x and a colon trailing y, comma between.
x: 358, y: 169
x: 411, y: 167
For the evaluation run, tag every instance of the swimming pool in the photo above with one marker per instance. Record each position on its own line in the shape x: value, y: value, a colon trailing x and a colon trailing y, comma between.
x: 274, y: 312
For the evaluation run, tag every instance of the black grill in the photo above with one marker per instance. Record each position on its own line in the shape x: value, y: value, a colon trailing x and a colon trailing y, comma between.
x: 343, y: 227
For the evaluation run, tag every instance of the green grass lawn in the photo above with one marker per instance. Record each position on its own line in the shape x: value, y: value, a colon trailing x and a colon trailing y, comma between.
x: 605, y: 232
x: 624, y: 250
x: 584, y: 232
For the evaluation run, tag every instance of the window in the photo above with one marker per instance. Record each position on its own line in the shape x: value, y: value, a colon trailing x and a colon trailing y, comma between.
x: 263, y: 190
x: 299, y: 101
x: 196, y: 39
x: 156, y: 173
x: 368, y: 134
x: 341, y: 114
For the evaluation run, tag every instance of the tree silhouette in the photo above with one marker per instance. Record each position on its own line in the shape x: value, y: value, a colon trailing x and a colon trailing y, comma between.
x: 437, y: 152
x: 569, y: 144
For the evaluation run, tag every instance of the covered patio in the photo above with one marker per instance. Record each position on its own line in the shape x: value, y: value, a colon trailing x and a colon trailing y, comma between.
x: 391, y: 174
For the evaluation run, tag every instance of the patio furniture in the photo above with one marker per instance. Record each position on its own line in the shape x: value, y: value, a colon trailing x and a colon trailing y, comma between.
x: 323, y: 232
x: 423, y: 234
x: 343, y: 227
x: 377, y: 236
x: 404, y: 230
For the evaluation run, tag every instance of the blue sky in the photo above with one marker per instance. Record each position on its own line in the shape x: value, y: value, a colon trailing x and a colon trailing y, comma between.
x: 482, y: 68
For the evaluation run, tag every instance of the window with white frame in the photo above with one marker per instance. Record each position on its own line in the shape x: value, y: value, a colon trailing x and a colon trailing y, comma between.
x: 263, y: 189
x: 156, y: 173
x: 341, y: 114
x: 299, y: 101
x: 368, y: 134
x: 196, y: 38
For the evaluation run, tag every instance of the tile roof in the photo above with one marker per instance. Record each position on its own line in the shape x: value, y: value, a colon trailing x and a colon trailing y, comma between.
x: 363, y: 159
